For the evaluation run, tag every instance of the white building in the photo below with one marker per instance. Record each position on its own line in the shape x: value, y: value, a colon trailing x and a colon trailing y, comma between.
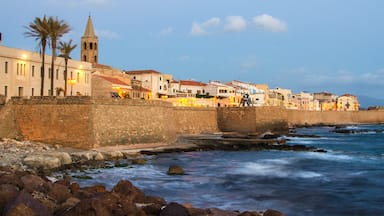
x: 20, y: 74
x: 218, y: 89
x: 192, y: 88
x: 257, y: 95
x: 157, y: 82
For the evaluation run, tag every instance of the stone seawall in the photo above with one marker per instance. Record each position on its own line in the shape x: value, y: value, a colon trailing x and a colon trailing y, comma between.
x: 334, y: 117
x: 84, y: 122
x: 252, y: 119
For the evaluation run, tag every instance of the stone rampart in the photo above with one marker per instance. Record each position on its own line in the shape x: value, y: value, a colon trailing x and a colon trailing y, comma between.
x: 296, y: 117
x: 85, y: 122
x: 252, y: 119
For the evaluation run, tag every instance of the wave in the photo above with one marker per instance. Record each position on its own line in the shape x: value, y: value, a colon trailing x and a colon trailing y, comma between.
x: 275, y: 170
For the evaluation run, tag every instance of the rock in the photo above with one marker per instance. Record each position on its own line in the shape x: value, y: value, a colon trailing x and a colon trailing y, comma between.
x: 20, y: 210
x: 26, y: 204
x: 99, y: 156
x: 247, y: 213
x: 126, y: 189
x: 112, y: 155
x: 64, y: 157
x: 60, y: 193
x: 35, y: 183
x: 139, y: 161
x: 219, y: 212
x: 45, y: 162
x: 271, y: 212
x: 174, y: 209
x: 175, y: 170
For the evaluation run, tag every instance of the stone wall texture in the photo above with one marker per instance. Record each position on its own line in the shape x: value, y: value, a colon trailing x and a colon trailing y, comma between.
x: 84, y: 122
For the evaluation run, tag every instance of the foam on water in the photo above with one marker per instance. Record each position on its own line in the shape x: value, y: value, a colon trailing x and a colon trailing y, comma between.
x: 274, y: 170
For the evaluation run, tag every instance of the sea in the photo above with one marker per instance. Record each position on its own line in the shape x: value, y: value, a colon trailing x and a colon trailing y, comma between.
x: 348, y: 179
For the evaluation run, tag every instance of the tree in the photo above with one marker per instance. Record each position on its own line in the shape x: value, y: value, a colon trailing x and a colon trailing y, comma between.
x: 38, y: 29
x: 66, y: 49
x: 57, y: 28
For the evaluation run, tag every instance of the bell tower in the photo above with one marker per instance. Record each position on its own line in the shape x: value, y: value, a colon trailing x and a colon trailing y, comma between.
x: 89, y: 44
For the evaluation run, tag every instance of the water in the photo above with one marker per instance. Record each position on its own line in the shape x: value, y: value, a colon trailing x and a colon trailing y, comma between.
x: 347, y: 180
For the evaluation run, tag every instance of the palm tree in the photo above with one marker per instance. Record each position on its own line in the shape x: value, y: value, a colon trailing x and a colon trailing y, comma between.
x: 66, y: 49
x: 57, y: 28
x: 38, y: 29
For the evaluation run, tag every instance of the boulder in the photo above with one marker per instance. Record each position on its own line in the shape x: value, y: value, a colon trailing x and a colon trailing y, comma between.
x: 25, y: 204
x: 175, y: 170
x: 45, y: 162
x: 35, y: 183
x: 64, y: 157
x: 174, y: 209
x: 271, y: 212
x: 127, y: 189
x: 59, y: 192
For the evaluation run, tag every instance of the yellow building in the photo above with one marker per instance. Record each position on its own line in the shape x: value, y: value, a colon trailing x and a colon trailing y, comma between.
x: 20, y: 74
x: 347, y: 102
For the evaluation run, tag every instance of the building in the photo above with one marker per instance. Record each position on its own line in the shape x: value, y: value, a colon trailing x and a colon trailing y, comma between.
x: 219, y: 89
x: 256, y: 95
x: 20, y: 74
x: 347, y: 102
x: 280, y: 97
x: 327, y: 101
x: 191, y: 88
x: 153, y: 80
x: 89, y: 44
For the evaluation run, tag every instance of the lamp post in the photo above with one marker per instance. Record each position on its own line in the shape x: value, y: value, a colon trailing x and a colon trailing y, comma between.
x: 71, y: 82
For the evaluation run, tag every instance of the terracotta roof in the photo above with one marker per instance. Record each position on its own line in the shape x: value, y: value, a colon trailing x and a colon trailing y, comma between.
x: 191, y: 83
x: 142, y: 72
x: 114, y: 80
x: 347, y: 95
x: 97, y: 65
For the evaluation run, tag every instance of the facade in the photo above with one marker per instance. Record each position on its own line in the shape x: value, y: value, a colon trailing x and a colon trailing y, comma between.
x: 153, y: 80
x: 89, y: 44
x: 191, y: 88
x: 256, y: 95
x: 347, y: 102
x: 280, y: 97
x: 220, y: 90
x: 107, y: 86
x: 327, y: 101
x: 20, y: 74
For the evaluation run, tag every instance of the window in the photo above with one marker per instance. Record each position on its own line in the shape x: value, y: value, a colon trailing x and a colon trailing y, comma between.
x: 90, y: 45
x: 5, y: 91
x: 85, y: 45
x: 17, y: 69
x: 33, y: 70
x: 78, y: 77
x: 95, y: 59
x: 160, y: 87
x: 24, y: 70
x: 57, y: 74
x: 6, y: 67
x: 32, y: 92
x: 84, y: 58
x: 49, y: 73
x: 95, y: 45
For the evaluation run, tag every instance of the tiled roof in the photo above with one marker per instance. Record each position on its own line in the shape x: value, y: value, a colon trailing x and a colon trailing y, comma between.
x: 142, y: 72
x: 191, y: 83
x: 113, y: 80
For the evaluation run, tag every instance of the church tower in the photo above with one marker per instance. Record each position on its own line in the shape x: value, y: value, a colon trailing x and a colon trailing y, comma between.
x: 89, y: 44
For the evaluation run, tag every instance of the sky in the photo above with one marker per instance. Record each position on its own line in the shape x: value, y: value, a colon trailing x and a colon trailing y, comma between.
x: 304, y: 45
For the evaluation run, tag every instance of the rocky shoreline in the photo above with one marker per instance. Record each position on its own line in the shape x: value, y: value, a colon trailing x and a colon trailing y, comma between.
x: 24, y: 189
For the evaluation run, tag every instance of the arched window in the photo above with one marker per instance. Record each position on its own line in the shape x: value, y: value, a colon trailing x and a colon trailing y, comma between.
x: 84, y: 58
x: 95, y: 59
x: 90, y: 45
x: 85, y: 45
x: 95, y: 46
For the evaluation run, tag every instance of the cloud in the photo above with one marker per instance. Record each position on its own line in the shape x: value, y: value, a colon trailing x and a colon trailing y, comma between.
x: 249, y: 63
x: 167, y: 31
x: 107, y: 34
x: 270, y: 23
x: 184, y: 58
x: 235, y: 24
x: 200, y: 29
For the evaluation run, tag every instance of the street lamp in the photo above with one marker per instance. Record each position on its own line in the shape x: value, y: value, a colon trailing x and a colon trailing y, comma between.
x: 72, y: 82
